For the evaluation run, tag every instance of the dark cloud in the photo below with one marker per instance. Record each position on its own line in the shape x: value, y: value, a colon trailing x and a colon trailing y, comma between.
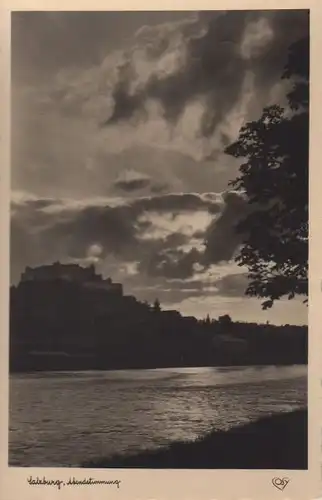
x: 170, y: 263
x: 125, y: 104
x: 37, y: 204
x: 45, y: 230
x: 211, y: 60
x: 61, y: 232
x: 132, y: 180
x: 222, y: 239
x: 213, y: 64
x: 132, y: 184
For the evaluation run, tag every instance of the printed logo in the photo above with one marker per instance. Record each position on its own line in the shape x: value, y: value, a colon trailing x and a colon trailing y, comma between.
x: 280, y: 482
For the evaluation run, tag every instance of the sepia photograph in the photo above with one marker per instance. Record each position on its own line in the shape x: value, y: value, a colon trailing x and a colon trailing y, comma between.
x: 159, y: 206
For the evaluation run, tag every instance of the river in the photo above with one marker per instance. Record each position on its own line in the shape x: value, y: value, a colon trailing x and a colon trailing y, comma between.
x: 64, y: 418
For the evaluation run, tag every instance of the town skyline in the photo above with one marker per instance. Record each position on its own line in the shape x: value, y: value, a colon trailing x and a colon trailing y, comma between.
x: 65, y: 316
x: 57, y: 270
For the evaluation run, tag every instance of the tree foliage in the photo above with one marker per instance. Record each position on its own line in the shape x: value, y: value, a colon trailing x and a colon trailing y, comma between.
x: 156, y: 306
x: 274, y: 180
x: 225, y: 320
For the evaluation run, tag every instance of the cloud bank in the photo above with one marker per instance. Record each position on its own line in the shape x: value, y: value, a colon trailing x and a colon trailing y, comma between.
x: 187, y: 85
x: 155, y: 239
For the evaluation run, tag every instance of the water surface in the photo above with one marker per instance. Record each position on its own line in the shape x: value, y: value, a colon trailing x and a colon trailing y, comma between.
x: 64, y: 418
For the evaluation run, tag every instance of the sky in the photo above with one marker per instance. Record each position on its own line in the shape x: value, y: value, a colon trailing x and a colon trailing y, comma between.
x: 119, y: 125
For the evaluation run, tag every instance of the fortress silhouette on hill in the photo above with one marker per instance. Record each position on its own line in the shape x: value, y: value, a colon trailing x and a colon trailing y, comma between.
x: 85, y: 276
x: 65, y: 317
x: 57, y: 270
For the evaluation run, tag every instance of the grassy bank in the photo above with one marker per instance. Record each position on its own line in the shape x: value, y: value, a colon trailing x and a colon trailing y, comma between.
x: 277, y: 442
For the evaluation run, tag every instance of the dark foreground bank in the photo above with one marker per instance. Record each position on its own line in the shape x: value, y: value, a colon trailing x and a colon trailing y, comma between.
x: 277, y: 442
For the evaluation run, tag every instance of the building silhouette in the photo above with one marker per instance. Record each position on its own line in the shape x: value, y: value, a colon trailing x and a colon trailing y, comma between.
x: 73, y: 273
x: 65, y: 316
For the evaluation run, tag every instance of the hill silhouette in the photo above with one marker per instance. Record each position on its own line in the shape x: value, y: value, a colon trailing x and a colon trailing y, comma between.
x: 66, y: 317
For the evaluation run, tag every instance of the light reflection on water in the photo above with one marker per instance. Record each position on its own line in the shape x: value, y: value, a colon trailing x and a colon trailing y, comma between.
x: 65, y: 418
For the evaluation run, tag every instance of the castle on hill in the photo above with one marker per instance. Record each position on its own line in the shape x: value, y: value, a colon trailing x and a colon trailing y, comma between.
x: 73, y: 273
x: 68, y: 317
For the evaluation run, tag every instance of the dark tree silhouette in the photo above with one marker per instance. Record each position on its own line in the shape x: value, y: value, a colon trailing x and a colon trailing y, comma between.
x: 156, y: 306
x: 225, y: 320
x: 274, y: 180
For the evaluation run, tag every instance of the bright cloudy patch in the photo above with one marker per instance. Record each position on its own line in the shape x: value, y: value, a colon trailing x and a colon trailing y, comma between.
x: 131, y: 180
x: 94, y: 250
x: 162, y: 225
x: 219, y: 271
x: 256, y: 37
x: 242, y: 309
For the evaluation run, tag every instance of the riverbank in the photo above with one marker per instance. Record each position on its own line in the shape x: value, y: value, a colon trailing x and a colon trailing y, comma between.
x: 277, y: 442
